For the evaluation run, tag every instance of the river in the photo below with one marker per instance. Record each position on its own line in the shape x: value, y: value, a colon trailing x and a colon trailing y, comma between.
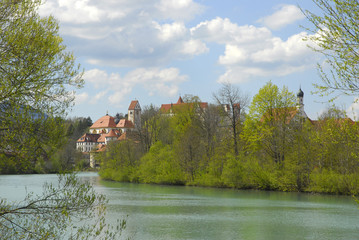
x: 175, y: 212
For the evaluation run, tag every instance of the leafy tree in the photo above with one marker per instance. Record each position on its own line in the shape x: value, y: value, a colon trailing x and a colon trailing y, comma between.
x: 336, y: 34
x: 66, y: 156
x: 187, y: 136
x: 159, y: 165
x: 35, y: 67
x: 269, y: 124
x: 36, y: 73
x: 65, y: 210
x: 120, y: 161
x: 150, y: 127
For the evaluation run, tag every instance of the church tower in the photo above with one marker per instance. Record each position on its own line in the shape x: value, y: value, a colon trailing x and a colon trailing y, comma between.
x: 300, y: 96
x: 300, y: 104
x: 134, y: 114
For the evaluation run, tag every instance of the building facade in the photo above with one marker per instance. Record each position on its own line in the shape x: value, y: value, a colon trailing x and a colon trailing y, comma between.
x: 105, y: 129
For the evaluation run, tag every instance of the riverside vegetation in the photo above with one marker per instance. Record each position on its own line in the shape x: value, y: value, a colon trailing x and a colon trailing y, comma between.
x: 260, y: 149
x: 264, y: 147
x: 38, y: 75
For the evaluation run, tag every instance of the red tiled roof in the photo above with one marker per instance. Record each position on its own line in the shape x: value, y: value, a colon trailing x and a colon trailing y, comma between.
x: 180, y: 101
x: 101, y: 148
x: 88, y: 137
x: 111, y: 133
x: 124, y: 123
x: 203, y: 105
x: 133, y: 105
x: 168, y: 107
x: 105, y: 122
x: 237, y: 105
x: 101, y: 139
x: 122, y: 137
x: 129, y: 135
x: 338, y: 121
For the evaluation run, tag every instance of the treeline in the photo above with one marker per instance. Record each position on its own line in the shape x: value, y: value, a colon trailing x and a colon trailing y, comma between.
x: 38, y: 143
x: 266, y: 144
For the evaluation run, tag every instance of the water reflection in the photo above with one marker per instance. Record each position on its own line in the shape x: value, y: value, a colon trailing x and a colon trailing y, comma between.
x: 172, y: 212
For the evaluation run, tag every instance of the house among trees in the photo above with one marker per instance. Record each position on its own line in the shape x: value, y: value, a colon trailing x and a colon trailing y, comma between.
x: 171, y: 108
x: 105, y: 129
x: 288, y: 114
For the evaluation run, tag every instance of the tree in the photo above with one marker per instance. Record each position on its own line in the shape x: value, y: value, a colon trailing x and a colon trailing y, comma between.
x: 150, y: 126
x: 332, y: 112
x: 35, y: 67
x: 210, y: 125
x: 120, y: 160
x: 37, y: 74
x: 233, y: 102
x: 269, y: 123
x: 187, y: 144
x: 57, y: 212
x: 336, y: 34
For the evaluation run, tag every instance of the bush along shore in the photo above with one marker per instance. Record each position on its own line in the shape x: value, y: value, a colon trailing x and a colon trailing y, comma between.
x: 268, y: 147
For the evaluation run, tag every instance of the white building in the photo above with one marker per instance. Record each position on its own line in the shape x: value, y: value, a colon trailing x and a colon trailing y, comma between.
x: 105, y: 129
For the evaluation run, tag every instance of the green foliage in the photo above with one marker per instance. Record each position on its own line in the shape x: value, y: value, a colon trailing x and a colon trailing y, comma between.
x: 36, y: 69
x: 270, y: 126
x: 336, y: 36
x: 37, y: 77
x: 121, y: 161
x: 277, y: 149
x: 235, y: 172
x: 267, y: 100
x: 160, y: 166
x: 329, y: 181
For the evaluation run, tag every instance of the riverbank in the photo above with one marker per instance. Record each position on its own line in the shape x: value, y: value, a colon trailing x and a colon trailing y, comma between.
x: 324, y: 182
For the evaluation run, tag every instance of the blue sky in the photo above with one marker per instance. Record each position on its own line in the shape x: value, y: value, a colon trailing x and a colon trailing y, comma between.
x: 156, y: 50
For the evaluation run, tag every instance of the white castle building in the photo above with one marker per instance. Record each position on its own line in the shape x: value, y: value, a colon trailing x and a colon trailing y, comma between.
x: 105, y: 129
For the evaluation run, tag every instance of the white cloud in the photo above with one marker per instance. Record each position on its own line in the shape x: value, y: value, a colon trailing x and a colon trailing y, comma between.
x: 223, y: 31
x: 291, y: 50
x: 194, y: 47
x: 233, y: 54
x: 79, y: 11
x: 127, y: 33
x: 241, y: 74
x: 115, y: 88
x: 168, y: 32
x: 81, y: 98
x: 287, y: 14
x: 179, y: 9
x: 254, y: 52
x: 98, y: 97
x: 97, y: 77
x: 148, y: 34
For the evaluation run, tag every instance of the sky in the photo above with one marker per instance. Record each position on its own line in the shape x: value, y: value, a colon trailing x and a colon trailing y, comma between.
x: 154, y: 51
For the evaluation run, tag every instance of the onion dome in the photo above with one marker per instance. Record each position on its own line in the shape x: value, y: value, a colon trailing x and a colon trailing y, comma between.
x: 300, y: 93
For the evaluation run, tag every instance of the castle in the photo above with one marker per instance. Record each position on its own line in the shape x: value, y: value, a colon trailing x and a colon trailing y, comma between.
x: 105, y: 129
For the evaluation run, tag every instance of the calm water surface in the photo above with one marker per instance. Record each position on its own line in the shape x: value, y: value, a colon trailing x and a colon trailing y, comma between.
x: 169, y: 212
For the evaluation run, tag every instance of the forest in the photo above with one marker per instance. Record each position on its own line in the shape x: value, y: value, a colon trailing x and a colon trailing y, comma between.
x: 263, y: 144
x: 43, y: 144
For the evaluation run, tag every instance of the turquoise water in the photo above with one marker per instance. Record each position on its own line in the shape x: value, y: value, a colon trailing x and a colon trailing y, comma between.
x: 172, y: 212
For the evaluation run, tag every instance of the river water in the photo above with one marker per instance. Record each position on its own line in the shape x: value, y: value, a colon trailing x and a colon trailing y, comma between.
x: 175, y: 212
